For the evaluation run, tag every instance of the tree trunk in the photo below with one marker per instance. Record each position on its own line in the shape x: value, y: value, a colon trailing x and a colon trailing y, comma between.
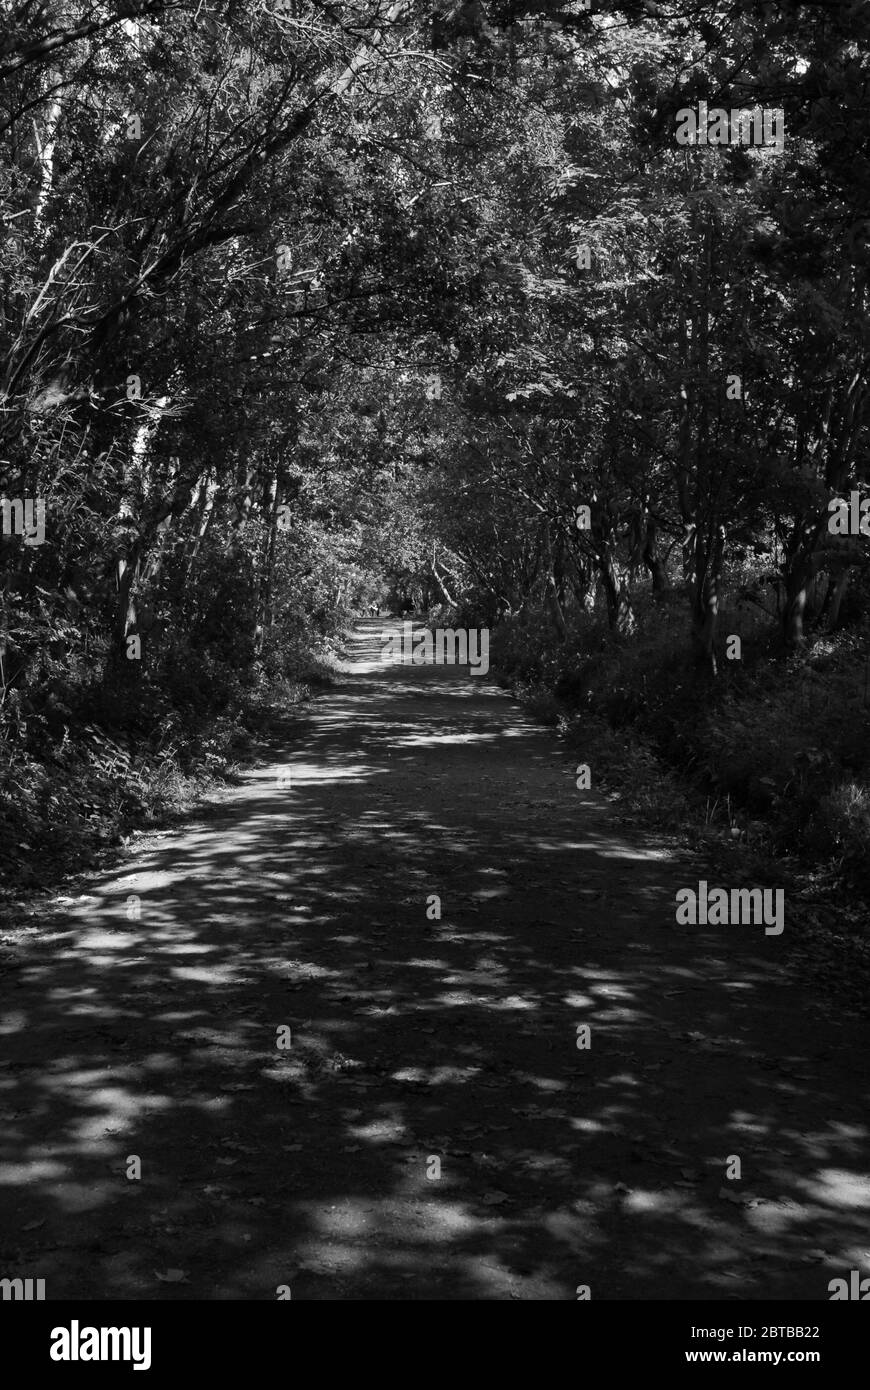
x: 705, y: 599
x: 834, y: 598
x: 653, y: 562
x: 797, y: 578
x: 264, y: 597
x: 550, y: 590
x: 620, y: 614
x: 440, y: 582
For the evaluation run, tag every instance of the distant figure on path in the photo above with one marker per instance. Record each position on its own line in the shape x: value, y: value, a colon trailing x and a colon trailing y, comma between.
x: 375, y: 610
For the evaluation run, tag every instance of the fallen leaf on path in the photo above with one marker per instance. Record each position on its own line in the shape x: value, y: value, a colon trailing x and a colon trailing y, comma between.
x: 172, y: 1276
x: 495, y: 1199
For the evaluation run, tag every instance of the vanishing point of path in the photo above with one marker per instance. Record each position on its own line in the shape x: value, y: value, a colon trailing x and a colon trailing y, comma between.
x: 304, y: 906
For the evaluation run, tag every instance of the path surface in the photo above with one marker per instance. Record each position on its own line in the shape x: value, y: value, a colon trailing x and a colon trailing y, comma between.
x: 306, y: 906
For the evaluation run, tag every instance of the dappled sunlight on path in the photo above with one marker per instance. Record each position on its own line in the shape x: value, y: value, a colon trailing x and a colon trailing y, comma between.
x: 143, y: 1018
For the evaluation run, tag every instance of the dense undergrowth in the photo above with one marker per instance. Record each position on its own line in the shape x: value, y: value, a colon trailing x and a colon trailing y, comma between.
x: 88, y: 762
x: 772, y: 753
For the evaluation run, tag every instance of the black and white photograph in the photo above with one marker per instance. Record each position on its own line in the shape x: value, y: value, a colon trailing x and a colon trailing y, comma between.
x: 434, y: 667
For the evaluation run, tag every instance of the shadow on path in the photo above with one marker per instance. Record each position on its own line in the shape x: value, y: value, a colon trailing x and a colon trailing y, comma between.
x: 299, y: 901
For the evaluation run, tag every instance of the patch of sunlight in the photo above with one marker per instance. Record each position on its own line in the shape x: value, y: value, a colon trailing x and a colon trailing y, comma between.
x: 436, y: 1076
x: 467, y: 977
x: 170, y: 930
x: 304, y: 970
x: 579, y: 1001
x: 94, y: 1011
x: 13, y: 1022
x: 773, y: 1221
x: 99, y: 960
x: 615, y: 1015
x: 63, y: 996
x: 452, y: 934
x: 215, y: 1105
x: 572, y: 1227
x: 178, y: 948
x: 612, y: 849
x: 216, y: 974
x: 13, y: 1174
x: 847, y: 1132
x: 751, y: 1124
x: 111, y: 1100
x: 662, y: 1202
x: 379, y: 1131
x: 448, y: 1219
x: 161, y: 1061
x: 542, y: 1083
x: 461, y: 998
x: 318, y: 773
x: 839, y: 1188
x: 430, y: 1224
x: 514, y: 1002
x: 588, y: 1126
x: 285, y: 1072
x: 217, y: 1036
x: 350, y: 1218
x: 418, y: 740
x: 440, y: 1075
x: 108, y: 940
x: 91, y: 1131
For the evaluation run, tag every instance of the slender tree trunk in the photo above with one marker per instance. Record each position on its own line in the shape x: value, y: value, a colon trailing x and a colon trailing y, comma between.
x: 795, y: 607
x: 705, y: 599
x: 551, y: 593
x: 834, y: 598
x: 264, y: 595
x: 582, y: 577
x: 653, y: 561
x: 800, y: 565
x: 208, y: 492
x: 440, y: 582
x: 614, y: 577
x: 45, y: 146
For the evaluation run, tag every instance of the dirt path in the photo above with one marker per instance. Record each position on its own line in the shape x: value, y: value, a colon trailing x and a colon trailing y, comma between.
x: 306, y: 906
